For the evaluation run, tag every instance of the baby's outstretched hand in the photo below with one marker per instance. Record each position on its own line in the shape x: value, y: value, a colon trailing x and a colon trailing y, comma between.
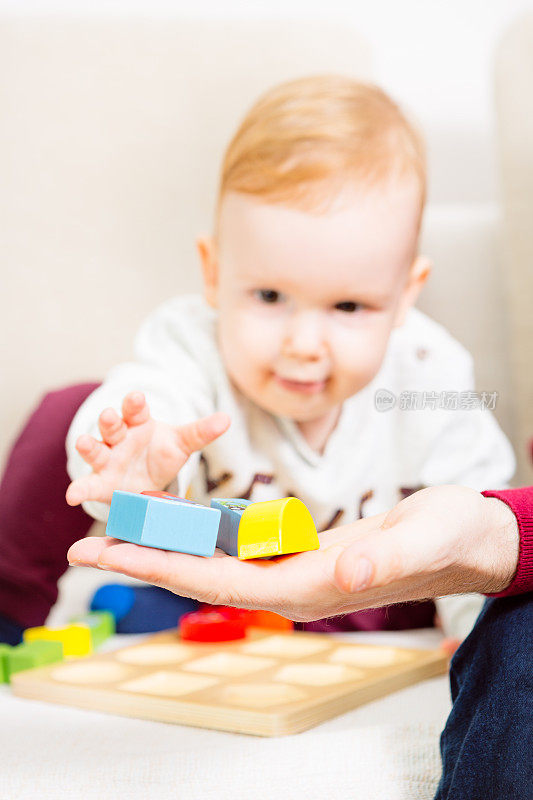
x: 138, y: 453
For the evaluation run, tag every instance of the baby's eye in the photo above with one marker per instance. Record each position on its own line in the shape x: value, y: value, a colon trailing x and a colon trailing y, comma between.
x: 268, y: 295
x: 348, y: 306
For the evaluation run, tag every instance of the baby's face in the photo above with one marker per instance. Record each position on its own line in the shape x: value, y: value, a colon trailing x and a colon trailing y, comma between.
x: 307, y: 301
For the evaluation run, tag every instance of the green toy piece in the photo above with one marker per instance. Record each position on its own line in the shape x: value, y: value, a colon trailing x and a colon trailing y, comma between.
x: 101, y: 625
x: 4, y: 650
x: 32, y: 654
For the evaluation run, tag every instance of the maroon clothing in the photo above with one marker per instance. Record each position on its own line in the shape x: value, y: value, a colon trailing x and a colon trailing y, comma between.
x: 397, y: 617
x: 36, y: 525
x: 520, y: 501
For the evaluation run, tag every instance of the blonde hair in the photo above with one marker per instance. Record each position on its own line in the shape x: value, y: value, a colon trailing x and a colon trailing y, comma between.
x: 305, y: 139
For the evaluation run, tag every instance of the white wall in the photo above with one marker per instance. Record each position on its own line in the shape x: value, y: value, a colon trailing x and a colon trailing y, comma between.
x: 435, y: 56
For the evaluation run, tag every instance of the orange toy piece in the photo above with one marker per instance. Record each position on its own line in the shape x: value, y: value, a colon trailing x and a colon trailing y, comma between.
x: 257, y: 619
x: 268, y: 619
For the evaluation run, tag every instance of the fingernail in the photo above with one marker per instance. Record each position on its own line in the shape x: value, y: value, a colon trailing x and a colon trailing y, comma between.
x: 362, y: 574
x: 101, y: 566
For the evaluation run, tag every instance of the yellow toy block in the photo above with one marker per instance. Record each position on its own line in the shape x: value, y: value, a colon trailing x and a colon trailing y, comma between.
x: 276, y: 527
x: 76, y: 639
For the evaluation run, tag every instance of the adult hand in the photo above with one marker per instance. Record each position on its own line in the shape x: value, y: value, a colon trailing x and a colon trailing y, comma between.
x: 443, y: 540
x: 300, y: 586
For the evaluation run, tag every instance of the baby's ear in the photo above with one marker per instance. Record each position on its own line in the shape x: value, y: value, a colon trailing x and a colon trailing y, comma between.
x: 419, y: 272
x: 207, y: 251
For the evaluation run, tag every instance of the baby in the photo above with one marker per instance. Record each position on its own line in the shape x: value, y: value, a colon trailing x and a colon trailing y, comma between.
x: 309, y: 281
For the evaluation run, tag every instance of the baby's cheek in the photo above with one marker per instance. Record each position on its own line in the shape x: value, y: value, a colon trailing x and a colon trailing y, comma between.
x: 248, y: 344
x: 359, y: 356
x: 257, y: 338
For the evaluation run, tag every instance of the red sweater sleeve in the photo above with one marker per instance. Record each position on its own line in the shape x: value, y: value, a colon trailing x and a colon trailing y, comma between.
x: 520, y: 501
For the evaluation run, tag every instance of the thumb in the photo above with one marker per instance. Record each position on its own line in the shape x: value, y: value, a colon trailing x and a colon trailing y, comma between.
x: 198, y: 434
x: 382, y: 558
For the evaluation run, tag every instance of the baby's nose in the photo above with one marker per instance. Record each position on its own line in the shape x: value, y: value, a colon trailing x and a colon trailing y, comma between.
x: 304, y: 336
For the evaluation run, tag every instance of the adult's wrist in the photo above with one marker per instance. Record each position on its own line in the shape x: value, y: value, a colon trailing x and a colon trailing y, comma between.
x: 520, y: 504
x: 503, y: 540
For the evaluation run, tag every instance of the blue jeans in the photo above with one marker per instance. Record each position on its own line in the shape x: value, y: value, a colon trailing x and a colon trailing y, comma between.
x: 487, y: 744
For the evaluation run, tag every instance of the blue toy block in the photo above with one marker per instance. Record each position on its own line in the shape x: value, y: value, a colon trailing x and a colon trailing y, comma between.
x: 114, y: 597
x: 164, y: 522
x: 142, y: 609
x: 228, y: 533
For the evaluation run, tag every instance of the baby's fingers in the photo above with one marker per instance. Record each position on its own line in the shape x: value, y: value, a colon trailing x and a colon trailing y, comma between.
x: 90, y: 487
x: 93, y: 452
x: 112, y: 427
x: 199, y: 434
x: 135, y: 409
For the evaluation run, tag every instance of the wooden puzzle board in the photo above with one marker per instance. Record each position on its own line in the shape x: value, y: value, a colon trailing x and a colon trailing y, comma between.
x: 268, y: 684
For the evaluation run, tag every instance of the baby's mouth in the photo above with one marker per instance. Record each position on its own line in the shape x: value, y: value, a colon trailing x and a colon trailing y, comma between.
x: 301, y: 387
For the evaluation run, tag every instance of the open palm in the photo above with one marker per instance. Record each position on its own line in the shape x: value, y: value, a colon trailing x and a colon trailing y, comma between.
x: 138, y: 453
x: 442, y: 540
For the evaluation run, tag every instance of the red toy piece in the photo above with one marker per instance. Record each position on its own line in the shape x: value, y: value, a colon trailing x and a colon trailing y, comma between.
x: 229, y: 612
x: 211, y: 626
x: 168, y: 496
x: 258, y: 619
